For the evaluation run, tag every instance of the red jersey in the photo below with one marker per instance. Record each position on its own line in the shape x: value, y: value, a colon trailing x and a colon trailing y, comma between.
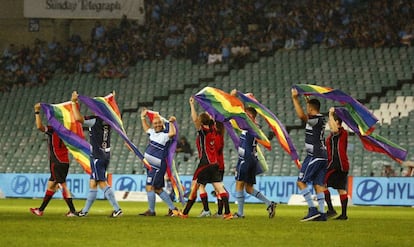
x: 57, y: 149
x: 220, y: 149
x: 336, y: 147
x: 206, y: 139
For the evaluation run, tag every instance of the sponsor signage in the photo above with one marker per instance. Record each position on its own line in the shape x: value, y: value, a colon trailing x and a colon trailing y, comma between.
x: 85, y: 9
x: 383, y: 191
x: 365, y: 190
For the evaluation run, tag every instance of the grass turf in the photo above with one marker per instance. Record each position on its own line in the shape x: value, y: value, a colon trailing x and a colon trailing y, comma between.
x: 367, y: 226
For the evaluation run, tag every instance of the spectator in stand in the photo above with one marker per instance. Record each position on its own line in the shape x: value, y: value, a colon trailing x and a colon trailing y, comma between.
x: 388, y: 171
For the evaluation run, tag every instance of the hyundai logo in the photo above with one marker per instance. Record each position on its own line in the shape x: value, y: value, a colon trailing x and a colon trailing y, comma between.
x: 369, y: 190
x: 20, y: 185
x: 125, y: 184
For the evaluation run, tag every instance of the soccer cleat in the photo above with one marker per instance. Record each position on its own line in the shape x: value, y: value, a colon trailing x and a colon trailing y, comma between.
x: 238, y: 216
x: 71, y: 214
x: 204, y: 214
x: 176, y: 212
x: 227, y: 216
x: 116, y: 213
x: 331, y: 213
x: 341, y: 217
x: 81, y: 214
x: 322, y: 217
x: 272, y: 209
x: 171, y: 212
x: 147, y: 213
x: 217, y: 215
x: 183, y: 216
x: 36, y: 211
x: 312, y: 214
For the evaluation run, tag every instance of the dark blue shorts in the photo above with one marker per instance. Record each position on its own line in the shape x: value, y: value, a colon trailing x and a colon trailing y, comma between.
x: 246, y: 171
x: 155, y: 177
x: 98, y: 167
x: 313, y: 170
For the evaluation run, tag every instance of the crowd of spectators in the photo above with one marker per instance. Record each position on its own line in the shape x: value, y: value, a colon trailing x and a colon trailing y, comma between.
x: 212, y: 31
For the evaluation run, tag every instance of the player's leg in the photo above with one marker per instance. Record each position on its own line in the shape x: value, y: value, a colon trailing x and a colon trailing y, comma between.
x: 50, y: 191
x: 218, y: 186
x: 61, y: 173
x: 67, y: 196
x: 270, y: 206
x: 204, y: 200
x: 343, y: 196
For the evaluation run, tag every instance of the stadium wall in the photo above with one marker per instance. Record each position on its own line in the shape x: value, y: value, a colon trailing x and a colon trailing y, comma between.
x: 396, y: 191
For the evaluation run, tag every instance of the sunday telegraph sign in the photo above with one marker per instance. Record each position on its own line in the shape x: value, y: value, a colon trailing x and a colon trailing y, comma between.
x: 85, y: 9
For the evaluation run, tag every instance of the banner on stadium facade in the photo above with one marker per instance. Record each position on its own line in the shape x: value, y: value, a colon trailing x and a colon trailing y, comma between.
x: 383, y: 191
x: 397, y: 191
x: 85, y: 9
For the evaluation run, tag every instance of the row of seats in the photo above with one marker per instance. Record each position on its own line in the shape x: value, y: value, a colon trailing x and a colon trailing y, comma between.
x: 371, y: 75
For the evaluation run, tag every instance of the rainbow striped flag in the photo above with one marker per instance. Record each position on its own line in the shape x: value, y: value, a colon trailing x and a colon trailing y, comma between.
x: 224, y: 107
x: 373, y: 142
x: 172, y: 172
x: 107, y: 109
x: 61, y: 118
x: 362, y: 116
x: 277, y: 127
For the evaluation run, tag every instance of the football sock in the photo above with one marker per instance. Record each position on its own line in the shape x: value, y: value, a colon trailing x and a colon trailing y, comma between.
x: 109, y: 194
x: 240, y: 202
x: 328, y: 200
x: 344, y: 203
x: 151, y: 200
x: 321, y: 201
x: 219, y: 206
x: 167, y: 199
x: 308, y: 197
x: 68, y: 201
x: 90, y: 200
x: 188, y: 206
x: 48, y: 196
x: 225, y: 200
x: 260, y: 196
x: 204, y: 198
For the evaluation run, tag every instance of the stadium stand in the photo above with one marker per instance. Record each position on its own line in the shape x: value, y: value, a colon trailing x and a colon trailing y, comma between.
x: 381, y: 77
x: 166, y: 86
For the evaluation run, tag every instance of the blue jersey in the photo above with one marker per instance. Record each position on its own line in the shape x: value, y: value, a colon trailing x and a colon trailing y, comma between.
x: 100, y: 137
x: 247, y: 145
x: 314, y: 136
x: 157, y: 149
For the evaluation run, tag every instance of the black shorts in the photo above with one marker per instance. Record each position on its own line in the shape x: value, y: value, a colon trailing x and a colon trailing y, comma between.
x: 207, y: 174
x: 58, y: 172
x: 336, y: 179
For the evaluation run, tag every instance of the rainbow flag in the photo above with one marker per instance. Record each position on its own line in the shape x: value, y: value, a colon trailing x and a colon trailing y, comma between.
x: 107, y: 109
x: 172, y: 172
x: 223, y: 107
x: 363, y: 117
x: 373, y: 142
x: 277, y: 127
x: 61, y: 118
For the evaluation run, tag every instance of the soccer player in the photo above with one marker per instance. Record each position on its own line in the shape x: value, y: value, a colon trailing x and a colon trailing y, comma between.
x: 156, y: 154
x: 100, y: 139
x: 59, y: 167
x: 313, y: 168
x: 246, y: 169
x: 207, y: 170
x: 338, y: 165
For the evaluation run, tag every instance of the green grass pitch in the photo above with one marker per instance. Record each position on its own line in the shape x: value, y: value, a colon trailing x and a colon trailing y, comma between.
x: 367, y: 226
